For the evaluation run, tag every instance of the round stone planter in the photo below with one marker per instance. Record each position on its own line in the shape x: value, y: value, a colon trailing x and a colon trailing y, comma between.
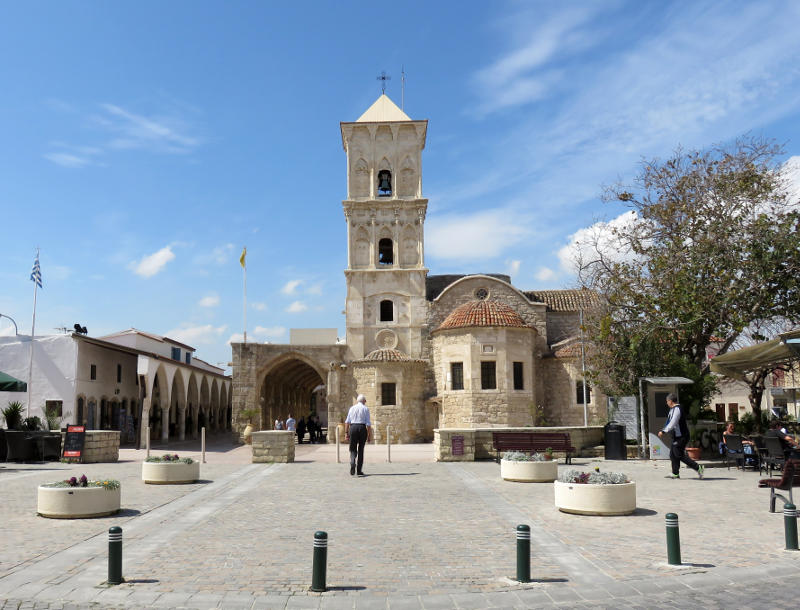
x: 528, y: 472
x: 77, y: 502
x: 592, y: 499
x: 170, y: 473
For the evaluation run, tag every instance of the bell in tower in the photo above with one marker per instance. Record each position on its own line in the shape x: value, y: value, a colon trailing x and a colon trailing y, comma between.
x: 384, y: 183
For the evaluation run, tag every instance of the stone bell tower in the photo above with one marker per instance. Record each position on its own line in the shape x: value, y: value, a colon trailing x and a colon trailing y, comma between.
x: 385, y: 214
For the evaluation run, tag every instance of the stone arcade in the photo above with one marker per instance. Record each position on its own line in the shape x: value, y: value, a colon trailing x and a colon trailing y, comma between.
x: 446, y: 351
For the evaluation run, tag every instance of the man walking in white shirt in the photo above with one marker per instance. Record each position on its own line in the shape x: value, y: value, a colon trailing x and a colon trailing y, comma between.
x: 358, y: 428
x: 291, y: 424
x: 676, y: 423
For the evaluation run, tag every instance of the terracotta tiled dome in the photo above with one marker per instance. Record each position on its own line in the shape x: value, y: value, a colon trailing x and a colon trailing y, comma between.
x: 387, y: 355
x: 482, y: 313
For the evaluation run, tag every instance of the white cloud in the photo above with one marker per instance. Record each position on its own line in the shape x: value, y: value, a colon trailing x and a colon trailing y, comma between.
x: 269, y: 332
x: 153, y: 263
x: 512, y: 267
x: 583, y: 245
x: 483, y: 234
x: 220, y: 255
x: 58, y: 272
x: 211, y: 300
x: 315, y: 289
x: 67, y: 159
x: 297, y: 307
x: 235, y: 338
x: 290, y: 287
x: 136, y: 131
x: 197, y: 335
x: 258, y: 306
x: 545, y: 274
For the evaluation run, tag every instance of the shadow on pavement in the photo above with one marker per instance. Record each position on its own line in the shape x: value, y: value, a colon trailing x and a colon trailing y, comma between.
x: 352, y: 588
x: 390, y: 474
x: 127, y: 512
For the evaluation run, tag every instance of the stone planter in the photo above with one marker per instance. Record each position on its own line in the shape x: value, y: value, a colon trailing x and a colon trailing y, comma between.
x: 77, y: 502
x: 592, y: 499
x: 170, y: 473
x: 528, y: 472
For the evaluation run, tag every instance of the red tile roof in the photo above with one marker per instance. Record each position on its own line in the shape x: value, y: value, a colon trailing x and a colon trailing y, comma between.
x: 482, y: 313
x: 565, y: 300
x: 388, y: 355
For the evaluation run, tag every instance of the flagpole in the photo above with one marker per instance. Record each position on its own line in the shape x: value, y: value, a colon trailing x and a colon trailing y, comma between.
x: 33, y: 335
x: 243, y: 263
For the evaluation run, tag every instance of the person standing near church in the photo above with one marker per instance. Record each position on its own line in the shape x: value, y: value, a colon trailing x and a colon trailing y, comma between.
x: 358, y: 429
x: 291, y: 424
x: 676, y: 423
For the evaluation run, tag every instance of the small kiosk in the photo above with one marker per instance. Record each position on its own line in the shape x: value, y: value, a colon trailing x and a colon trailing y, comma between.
x: 657, y: 411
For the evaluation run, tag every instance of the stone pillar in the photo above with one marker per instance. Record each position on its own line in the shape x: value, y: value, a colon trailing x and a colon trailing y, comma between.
x: 165, y: 424
x: 181, y: 424
x: 195, y: 422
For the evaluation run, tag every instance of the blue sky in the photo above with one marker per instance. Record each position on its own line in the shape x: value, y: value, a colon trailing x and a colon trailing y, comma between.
x: 142, y: 144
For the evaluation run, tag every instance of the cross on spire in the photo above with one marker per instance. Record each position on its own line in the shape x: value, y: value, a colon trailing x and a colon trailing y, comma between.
x: 383, y: 78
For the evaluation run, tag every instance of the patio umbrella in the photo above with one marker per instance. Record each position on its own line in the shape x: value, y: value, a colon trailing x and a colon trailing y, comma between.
x: 769, y: 354
x: 11, y: 384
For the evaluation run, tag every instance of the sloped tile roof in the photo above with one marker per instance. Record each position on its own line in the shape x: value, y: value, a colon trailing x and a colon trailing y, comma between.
x: 388, y: 355
x: 565, y: 300
x: 482, y: 313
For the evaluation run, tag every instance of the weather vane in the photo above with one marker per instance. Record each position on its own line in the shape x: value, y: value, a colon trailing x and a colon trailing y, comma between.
x: 383, y: 78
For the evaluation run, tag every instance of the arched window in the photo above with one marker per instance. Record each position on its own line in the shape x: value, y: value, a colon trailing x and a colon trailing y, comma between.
x: 387, y: 311
x: 384, y: 183
x: 385, y: 252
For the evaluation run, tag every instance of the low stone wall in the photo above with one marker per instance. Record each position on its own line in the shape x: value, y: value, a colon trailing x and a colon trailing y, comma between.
x: 273, y: 446
x: 476, y: 443
x: 99, y: 446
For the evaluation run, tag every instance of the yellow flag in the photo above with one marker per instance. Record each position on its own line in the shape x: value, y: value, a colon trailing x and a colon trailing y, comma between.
x: 242, y: 257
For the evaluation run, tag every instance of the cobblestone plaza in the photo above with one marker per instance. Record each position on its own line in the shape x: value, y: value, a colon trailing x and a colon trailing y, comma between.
x: 411, y: 534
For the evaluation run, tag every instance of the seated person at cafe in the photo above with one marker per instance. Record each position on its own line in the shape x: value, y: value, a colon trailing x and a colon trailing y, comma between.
x: 787, y: 441
x: 749, y: 446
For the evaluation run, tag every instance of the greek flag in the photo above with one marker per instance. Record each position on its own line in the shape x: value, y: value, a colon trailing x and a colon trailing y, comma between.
x: 36, y: 272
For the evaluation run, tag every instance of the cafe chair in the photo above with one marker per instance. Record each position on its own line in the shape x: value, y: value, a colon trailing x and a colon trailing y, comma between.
x: 790, y: 478
x: 734, y: 450
x: 773, y: 457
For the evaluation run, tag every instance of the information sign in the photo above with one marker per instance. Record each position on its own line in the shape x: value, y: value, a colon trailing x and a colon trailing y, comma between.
x: 73, y: 442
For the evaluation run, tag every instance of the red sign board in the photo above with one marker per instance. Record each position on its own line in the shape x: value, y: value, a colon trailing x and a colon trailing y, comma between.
x: 73, y: 441
x: 457, y: 444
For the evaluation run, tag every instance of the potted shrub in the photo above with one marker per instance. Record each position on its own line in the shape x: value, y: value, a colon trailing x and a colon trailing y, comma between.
x: 548, y: 453
x: 525, y: 468
x: 693, y: 449
x: 13, y: 415
x: 595, y: 493
x: 248, y: 414
x: 170, y: 469
x: 78, y: 498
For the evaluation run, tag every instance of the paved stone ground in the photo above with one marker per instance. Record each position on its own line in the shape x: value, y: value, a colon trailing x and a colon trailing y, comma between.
x: 411, y: 534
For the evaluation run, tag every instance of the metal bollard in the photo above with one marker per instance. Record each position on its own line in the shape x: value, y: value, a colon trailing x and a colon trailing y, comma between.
x: 790, y: 526
x: 523, y: 553
x: 203, y: 443
x: 389, y: 444
x: 115, y: 555
x: 319, y: 567
x: 673, y: 540
x: 147, y: 440
x: 338, y: 460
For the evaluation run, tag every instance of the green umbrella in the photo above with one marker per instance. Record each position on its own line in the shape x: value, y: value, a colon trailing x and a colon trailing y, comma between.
x: 11, y: 384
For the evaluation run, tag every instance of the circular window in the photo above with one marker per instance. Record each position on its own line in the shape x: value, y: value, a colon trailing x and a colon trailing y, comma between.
x: 481, y: 294
x: 386, y: 338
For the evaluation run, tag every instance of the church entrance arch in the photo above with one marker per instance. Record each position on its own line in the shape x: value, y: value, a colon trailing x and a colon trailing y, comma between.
x: 292, y: 383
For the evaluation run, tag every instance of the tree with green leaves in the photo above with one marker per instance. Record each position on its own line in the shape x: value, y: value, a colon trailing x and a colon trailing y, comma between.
x: 710, y: 246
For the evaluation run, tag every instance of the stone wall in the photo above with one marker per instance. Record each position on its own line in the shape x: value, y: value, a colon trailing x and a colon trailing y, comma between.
x: 99, y: 446
x: 273, y: 446
x: 478, y: 441
x: 559, y: 397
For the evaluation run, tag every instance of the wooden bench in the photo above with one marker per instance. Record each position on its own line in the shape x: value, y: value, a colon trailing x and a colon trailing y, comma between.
x: 532, y: 442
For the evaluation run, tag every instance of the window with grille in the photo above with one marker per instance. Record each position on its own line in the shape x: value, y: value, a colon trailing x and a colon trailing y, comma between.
x: 519, y: 381
x: 388, y: 393
x: 489, y: 375
x: 176, y: 353
x: 579, y: 393
x: 457, y: 375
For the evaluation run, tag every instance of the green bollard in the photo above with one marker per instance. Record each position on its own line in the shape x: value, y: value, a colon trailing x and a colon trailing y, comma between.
x: 673, y: 540
x: 523, y: 553
x: 115, y: 555
x: 319, y: 567
x: 790, y: 526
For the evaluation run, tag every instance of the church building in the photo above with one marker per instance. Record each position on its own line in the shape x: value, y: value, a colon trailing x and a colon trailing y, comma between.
x: 427, y: 351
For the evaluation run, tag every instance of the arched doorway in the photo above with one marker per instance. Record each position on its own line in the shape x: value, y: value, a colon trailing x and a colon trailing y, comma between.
x: 291, y: 384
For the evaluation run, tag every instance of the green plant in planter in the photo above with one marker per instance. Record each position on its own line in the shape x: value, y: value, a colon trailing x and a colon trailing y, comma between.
x: 548, y: 453
x: 249, y: 414
x: 13, y: 415
x: 32, y: 423
x: 169, y: 458
x: 596, y: 478
x: 520, y: 456
x: 83, y: 481
x: 52, y: 419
